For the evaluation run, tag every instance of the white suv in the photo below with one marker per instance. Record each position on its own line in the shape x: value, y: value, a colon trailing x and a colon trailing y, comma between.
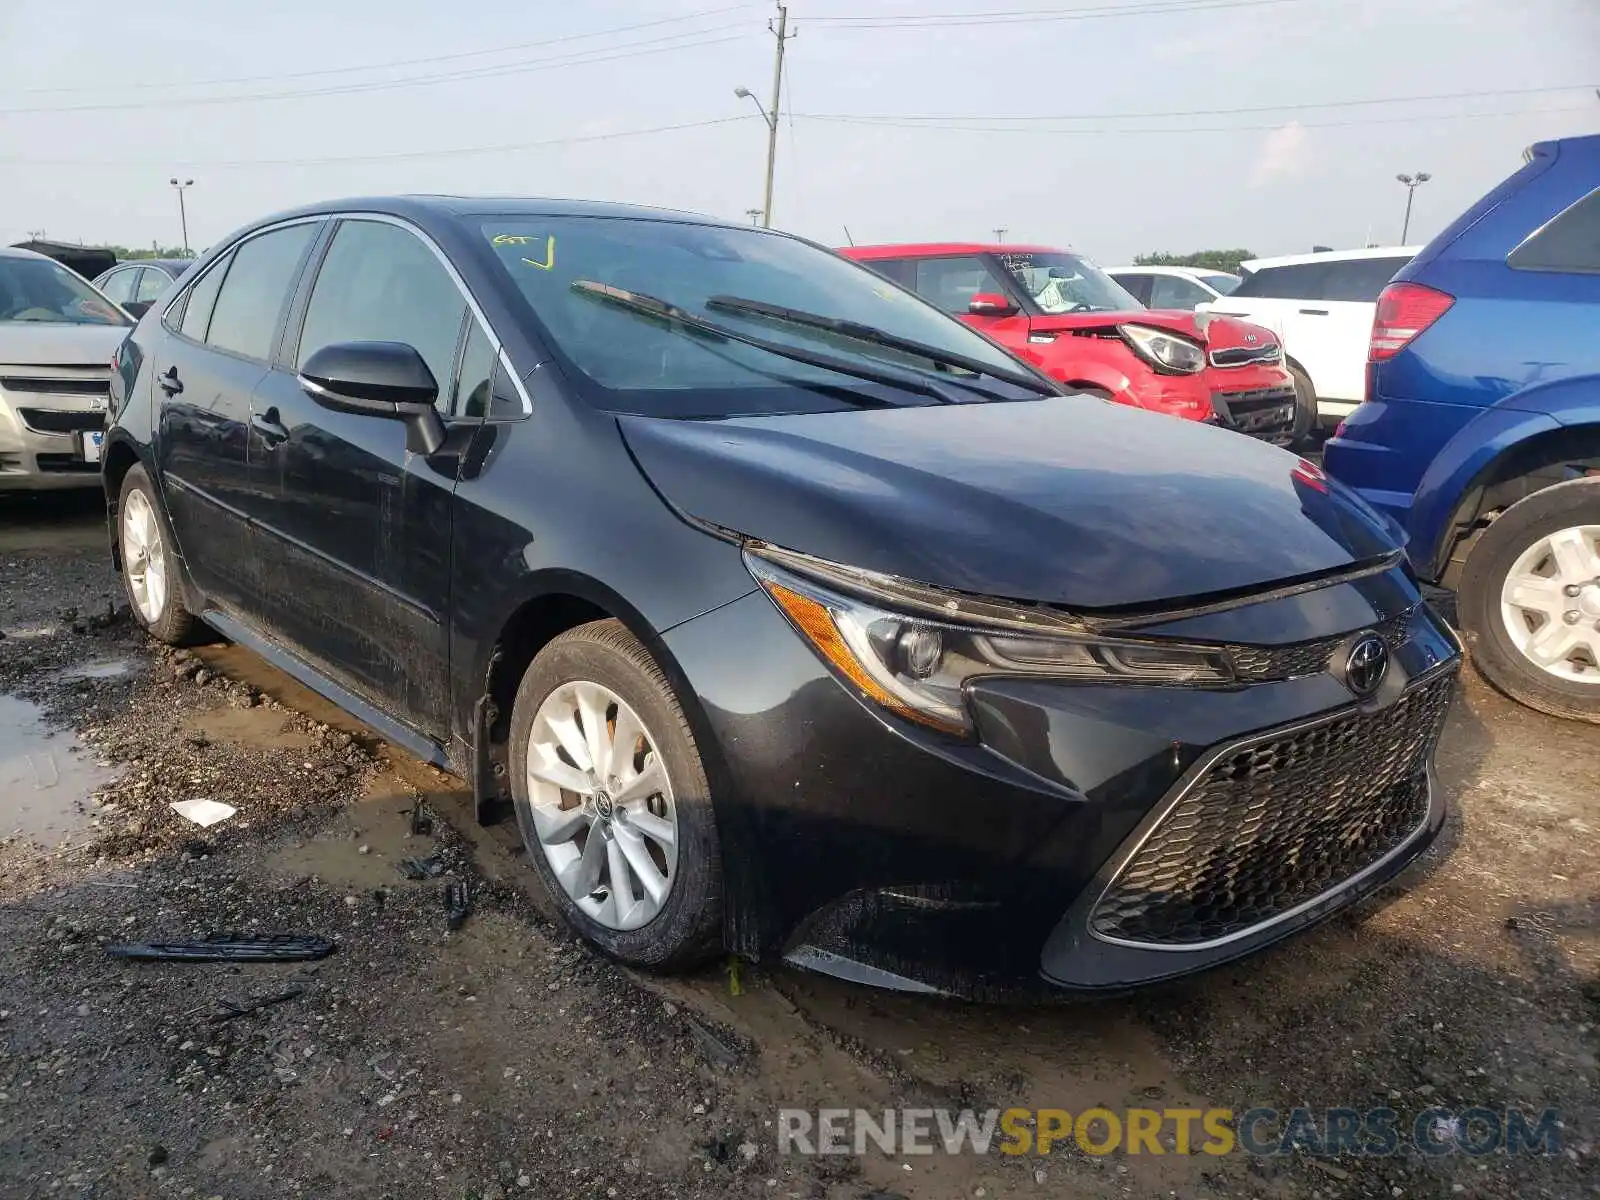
x: 1321, y: 307
x: 1174, y: 287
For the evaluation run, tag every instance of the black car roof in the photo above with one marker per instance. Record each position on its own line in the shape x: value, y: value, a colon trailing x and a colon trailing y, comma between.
x: 421, y: 208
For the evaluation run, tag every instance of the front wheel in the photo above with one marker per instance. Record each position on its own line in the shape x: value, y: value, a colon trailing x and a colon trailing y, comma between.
x: 612, y: 800
x: 1530, y: 601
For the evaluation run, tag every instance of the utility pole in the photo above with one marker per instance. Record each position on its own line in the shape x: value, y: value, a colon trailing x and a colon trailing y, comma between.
x: 780, y: 30
x: 183, y: 213
x: 754, y: 214
x: 1000, y: 234
x: 1412, y: 182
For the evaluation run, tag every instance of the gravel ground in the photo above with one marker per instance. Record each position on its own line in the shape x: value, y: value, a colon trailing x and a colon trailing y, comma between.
x: 503, y: 1058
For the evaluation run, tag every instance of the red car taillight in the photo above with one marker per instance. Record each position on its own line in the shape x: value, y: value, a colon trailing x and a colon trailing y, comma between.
x: 1404, y: 311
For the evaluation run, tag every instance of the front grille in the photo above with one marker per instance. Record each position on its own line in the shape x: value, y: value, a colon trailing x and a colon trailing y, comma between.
x: 1244, y: 356
x: 62, y: 386
x: 1273, y: 825
x: 1259, y: 663
x: 50, y: 420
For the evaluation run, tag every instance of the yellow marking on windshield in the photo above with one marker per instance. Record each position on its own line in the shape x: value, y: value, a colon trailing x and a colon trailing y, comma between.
x: 522, y: 239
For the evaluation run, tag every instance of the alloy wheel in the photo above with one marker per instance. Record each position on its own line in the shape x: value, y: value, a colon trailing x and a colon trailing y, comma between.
x: 1550, y: 604
x: 143, y: 560
x: 602, y: 805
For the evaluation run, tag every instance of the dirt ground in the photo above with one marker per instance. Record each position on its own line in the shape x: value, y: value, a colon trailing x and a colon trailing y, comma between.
x: 504, y: 1058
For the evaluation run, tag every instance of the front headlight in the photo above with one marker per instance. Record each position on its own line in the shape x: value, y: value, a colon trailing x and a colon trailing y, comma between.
x: 912, y: 650
x: 1164, y: 351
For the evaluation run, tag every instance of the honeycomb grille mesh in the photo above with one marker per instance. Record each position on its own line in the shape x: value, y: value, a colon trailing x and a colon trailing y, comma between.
x: 1275, y: 824
x: 1257, y: 663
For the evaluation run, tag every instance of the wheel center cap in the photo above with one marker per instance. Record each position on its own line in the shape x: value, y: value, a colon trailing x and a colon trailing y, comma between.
x: 604, y: 806
x: 1589, y: 602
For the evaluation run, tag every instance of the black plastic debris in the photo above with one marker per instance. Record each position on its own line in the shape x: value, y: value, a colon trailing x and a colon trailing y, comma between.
x: 230, y: 947
x: 422, y: 868
x: 238, y: 1008
x: 421, y: 819
x: 457, y: 904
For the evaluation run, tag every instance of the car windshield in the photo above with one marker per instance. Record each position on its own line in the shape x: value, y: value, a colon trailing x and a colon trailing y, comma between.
x: 37, y: 290
x: 1065, y: 283
x: 630, y: 361
x: 1220, y: 283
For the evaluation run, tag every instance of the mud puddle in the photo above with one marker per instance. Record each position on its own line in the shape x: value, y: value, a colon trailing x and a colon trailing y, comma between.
x: 104, y: 668
x: 45, y: 777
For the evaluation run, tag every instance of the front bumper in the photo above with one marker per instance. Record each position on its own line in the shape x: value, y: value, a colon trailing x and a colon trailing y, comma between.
x: 861, y: 846
x: 42, y: 438
x: 1257, y: 400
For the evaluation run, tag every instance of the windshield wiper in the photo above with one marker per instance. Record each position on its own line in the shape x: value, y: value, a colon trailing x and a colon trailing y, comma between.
x: 679, y: 318
x: 861, y: 332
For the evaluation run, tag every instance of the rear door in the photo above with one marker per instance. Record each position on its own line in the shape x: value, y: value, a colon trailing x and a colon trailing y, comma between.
x: 356, y: 531
x: 218, y: 340
x: 1350, y: 290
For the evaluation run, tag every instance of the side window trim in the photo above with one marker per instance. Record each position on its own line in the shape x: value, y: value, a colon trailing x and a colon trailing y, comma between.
x: 1530, y: 243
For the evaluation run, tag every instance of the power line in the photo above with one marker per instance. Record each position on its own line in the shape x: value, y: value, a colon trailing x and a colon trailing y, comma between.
x: 1182, y: 129
x: 582, y: 58
x: 401, y: 62
x: 1207, y: 112
x: 449, y: 152
x: 1036, y: 16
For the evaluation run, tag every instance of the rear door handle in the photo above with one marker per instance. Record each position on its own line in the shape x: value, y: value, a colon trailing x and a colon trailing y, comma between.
x: 270, y: 428
x: 1313, y: 312
x: 170, y: 383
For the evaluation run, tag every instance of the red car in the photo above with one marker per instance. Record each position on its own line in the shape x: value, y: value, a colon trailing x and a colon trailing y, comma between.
x: 1062, y: 313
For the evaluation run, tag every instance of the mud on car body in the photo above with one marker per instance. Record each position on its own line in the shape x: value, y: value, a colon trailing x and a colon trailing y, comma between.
x: 798, y: 619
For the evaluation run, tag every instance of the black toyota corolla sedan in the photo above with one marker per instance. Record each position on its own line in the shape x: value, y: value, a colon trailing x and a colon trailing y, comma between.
x: 792, y: 617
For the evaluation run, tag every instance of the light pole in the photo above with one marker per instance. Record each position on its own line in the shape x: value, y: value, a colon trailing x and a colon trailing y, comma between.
x: 183, y: 214
x: 1412, y: 182
x: 1000, y: 234
x: 780, y: 30
x: 754, y: 214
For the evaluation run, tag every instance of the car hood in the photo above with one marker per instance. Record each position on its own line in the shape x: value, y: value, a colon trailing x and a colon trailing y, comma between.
x: 1066, y: 500
x: 1211, y: 330
x: 38, y: 344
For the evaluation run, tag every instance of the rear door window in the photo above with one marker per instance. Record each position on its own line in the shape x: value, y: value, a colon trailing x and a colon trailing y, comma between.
x: 1174, y: 291
x: 119, y: 284
x: 250, y: 305
x: 1569, y: 243
x: 1137, y: 286
x: 202, y: 299
x: 1297, y: 281
x: 152, y: 285
x: 900, y: 270
x: 1360, y: 279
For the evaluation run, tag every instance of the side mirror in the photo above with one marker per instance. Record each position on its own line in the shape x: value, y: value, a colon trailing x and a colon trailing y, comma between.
x: 991, y: 304
x: 378, y: 379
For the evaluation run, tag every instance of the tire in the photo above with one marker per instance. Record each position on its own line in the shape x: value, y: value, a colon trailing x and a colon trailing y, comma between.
x: 145, y: 545
x: 1516, y: 545
x: 1305, y: 408
x: 561, y: 824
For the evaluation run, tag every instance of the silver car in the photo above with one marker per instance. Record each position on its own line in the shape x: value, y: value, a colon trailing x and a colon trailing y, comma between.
x: 57, y: 335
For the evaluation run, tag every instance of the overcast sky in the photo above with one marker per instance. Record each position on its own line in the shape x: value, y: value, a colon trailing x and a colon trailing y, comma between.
x: 1155, y: 159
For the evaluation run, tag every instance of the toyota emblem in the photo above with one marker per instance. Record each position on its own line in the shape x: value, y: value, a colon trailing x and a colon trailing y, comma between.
x: 1367, y: 665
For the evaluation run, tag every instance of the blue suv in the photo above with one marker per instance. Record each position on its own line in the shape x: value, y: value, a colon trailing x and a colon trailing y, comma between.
x: 1480, y: 432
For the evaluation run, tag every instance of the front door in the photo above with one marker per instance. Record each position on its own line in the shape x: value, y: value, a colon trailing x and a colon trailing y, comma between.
x: 951, y: 283
x: 355, y: 539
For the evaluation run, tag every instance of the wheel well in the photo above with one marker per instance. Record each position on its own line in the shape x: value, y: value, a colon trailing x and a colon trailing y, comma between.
x: 1292, y: 362
x: 1529, y: 466
x: 529, y: 630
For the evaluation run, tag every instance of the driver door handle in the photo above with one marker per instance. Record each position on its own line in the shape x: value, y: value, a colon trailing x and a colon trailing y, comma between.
x: 270, y: 427
x: 1313, y: 312
x: 169, y: 382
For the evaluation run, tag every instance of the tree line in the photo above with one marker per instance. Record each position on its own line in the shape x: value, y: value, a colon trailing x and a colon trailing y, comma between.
x: 1211, y: 260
